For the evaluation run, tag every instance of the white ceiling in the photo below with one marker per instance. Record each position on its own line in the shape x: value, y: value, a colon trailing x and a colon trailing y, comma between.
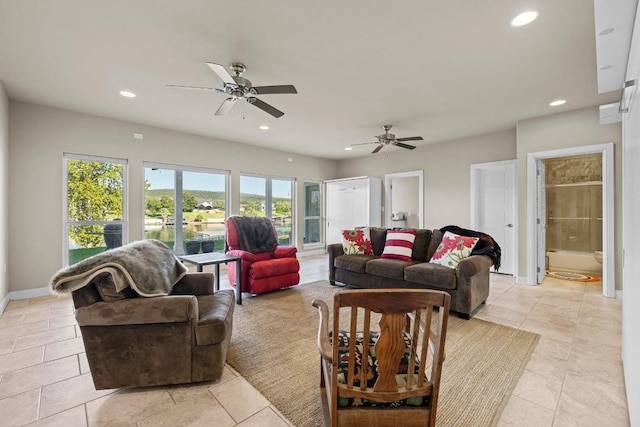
x: 439, y: 69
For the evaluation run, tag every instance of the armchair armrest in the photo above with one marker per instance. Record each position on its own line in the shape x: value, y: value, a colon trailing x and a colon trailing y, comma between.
x: 139, y: 311
x: 285, y: 252
x: 324, y: 345
x: 198, y: 284
x: 246, y: 256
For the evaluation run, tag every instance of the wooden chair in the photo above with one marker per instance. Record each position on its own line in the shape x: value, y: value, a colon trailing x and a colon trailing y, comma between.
x: 407, y: 340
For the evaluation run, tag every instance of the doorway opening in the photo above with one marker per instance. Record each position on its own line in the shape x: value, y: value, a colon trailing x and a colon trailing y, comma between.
x: 404, y: 199
x: 537, y: 214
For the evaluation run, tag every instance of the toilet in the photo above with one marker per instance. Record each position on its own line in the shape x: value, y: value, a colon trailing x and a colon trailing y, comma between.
x: 598, y: 256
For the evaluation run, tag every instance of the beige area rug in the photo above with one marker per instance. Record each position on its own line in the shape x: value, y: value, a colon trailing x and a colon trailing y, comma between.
x: 274, y: 347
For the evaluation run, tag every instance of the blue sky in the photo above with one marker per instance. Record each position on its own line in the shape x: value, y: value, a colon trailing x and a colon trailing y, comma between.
x: 164, y: 178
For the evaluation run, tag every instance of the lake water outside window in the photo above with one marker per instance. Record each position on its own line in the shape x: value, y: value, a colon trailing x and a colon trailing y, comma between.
x: 272, y: 198
x: 186, y: 208
x: 95, y: 205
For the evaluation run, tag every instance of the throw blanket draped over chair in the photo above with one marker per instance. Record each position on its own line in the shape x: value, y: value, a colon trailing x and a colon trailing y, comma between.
x: 255, y: 234
x: 147, y: 266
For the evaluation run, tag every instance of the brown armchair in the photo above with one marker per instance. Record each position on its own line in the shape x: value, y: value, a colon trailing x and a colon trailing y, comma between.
x: 132, y: 341
x: 391, y: 377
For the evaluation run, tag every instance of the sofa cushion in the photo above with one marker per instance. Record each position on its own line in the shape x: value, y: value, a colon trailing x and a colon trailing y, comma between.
x: 354, y: 263
x: 378, y: 237
x: 274, y: 267
x: 399, y: 244
x: 356, y: 242
x: 433, y: 275
x: 385, y: 267
x: 453, y: 249
x: 421, y: 245
x: 434, y: 242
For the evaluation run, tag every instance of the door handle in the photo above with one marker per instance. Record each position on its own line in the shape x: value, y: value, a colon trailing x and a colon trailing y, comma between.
x: 509, y: 225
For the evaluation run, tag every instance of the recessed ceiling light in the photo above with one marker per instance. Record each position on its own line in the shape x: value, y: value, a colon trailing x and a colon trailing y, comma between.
x: 127, y: 94
x: 263, y: 127
x: 557, y: 102
x: 524, y: 18
x: 348, y: 148
x: 606, y: 31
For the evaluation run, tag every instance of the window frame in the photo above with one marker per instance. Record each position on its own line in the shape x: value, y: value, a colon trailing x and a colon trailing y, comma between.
x: 66, y: 224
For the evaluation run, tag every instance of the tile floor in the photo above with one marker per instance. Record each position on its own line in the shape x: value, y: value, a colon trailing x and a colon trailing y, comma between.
x: 574, y: 377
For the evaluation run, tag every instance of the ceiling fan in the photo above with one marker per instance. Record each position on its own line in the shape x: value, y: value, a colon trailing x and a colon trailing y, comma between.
x: 390, y: 139
x: 237, y: 87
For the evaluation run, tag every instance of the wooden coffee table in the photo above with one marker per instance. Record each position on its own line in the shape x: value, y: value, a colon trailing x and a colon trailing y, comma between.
x: 200, y: 260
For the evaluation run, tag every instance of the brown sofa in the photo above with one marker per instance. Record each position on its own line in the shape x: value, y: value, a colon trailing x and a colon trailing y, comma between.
x: 135, y: 341
x: 468, y: 284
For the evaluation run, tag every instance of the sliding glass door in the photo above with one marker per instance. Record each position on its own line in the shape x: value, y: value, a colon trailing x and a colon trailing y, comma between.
x: 272, y: 198
x: 185, y: 207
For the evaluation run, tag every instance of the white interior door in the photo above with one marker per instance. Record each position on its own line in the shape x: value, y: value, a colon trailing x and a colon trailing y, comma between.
x: 541, y: 221
x: 493, y: 207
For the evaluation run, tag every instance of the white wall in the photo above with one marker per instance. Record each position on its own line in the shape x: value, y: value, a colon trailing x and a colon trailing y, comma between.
x: 446, y: 168
x: 631, y: 271
x: 38, y: 137
x: 4, y: 189
x: 564, y: 130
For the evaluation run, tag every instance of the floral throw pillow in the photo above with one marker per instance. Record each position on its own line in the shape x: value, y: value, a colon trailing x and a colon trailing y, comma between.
x: 357, y: 242
x: 399, y: 244
x: 453, y: 249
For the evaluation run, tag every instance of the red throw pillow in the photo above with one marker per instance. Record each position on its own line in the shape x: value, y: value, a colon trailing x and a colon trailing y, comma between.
x: 399, y: 244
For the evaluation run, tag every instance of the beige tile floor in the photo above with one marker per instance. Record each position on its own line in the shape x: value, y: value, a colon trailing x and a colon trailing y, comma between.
x: 574, y: 377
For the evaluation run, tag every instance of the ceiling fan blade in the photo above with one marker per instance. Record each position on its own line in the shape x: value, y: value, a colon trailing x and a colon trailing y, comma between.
x: 221, y: 72
x: 378, y: 148
x: 226, y: 106
x: 365, y: 143
x: 400, y: 144
x: 191, y: 87
x: 265, y: 107
x: 411, y: 138
x: 268, y: 90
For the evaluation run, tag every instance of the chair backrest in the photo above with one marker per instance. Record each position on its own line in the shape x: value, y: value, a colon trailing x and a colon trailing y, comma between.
x: 252, y: 234
x: 410, y: 339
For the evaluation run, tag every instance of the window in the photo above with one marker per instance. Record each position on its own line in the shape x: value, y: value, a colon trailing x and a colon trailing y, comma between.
x: 94, y: 205
x: 271, y: 198
x: 185, y: 208
x: 312, y: 213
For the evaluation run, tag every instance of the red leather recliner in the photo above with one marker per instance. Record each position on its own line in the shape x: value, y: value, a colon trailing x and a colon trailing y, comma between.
x: 266, y: 266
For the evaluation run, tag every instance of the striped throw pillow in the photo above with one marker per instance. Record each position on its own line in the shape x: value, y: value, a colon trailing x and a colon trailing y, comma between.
x: 399, y: 244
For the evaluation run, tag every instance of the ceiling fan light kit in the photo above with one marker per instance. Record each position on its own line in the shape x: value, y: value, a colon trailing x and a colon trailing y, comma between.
x: 390, y: 139
x: 237, y: 87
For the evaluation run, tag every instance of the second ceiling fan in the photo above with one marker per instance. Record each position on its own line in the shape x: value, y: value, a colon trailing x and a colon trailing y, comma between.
x: 390, y: 139
x: 237, y: 87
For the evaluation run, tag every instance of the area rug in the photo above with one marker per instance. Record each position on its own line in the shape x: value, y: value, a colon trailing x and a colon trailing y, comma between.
x: 573, y: 276
x: 274, y: 348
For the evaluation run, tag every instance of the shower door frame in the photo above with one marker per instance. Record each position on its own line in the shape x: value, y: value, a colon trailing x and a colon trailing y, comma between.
x: 608, y: 210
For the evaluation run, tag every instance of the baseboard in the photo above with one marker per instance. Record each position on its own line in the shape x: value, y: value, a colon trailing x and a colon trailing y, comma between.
x: 3, y: 303
x: 30, y: 293
x: 618, y: 294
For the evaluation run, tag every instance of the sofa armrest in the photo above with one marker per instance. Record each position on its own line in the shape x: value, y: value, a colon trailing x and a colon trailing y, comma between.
x: 285, y: 252
x: 194, y: 284
x: 472, y: 265
x: 334, y: 250
x: 140, y: 311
